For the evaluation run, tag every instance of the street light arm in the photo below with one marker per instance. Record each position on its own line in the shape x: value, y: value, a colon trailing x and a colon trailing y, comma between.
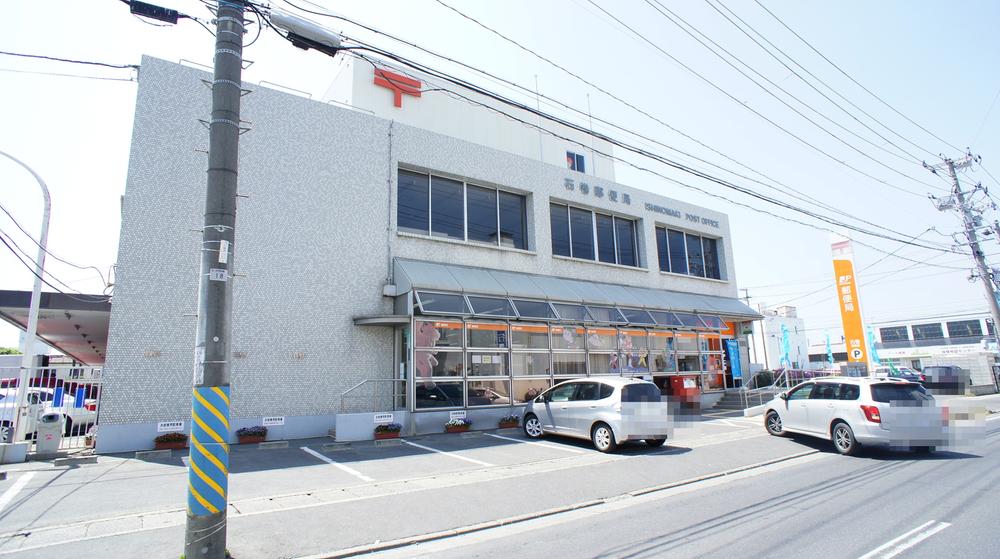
x: 28, y: 350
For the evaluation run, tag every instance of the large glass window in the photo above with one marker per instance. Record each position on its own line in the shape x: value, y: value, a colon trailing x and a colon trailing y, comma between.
x: 441, y: 303
x: 493, y: 306
x: 662, y: 253
x: 481, y: 207
x: 927, y: 331
x: 568, y: 337
x: 625, y: 237
x: 438, y: 394
x: 529, y: 336
x: 447, y: 364
x: 569, y: 364
x: 438, y: 333
x: 963, y: 328
x: 428, y: 204
x: 686, y: 342
x: 602, y: 339
x: 529, y: 363
x: 488, y: 392
x: 696, y: 265
x: 690, y: 320
x: 581, y: 224
x: 605, y: 238
x: 604, y: 363
x: 663, y: 352
x: 710, y: 249
x: 894, y: 334
x: 572, y: 312
x: 605, y: 314
x: 513, y: 221
x: 447, y: 211
x: 637, y: 316
x: 487, y: 364
x: 678, y: 252
x: 412, y: 210
x: 559, y: 221
x: 483, y: 334
x: 527, y: 389
x: 533, y: 309
x: 665, y: 318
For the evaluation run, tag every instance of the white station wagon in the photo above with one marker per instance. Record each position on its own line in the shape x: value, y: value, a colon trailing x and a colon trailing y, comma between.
x: 853, y: 412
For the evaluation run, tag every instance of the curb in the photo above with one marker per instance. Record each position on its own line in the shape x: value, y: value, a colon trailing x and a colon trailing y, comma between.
x: 424, y: 538
x: 74, y: 461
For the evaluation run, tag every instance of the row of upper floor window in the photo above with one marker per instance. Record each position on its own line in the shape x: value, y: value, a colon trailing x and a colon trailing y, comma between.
x: 441, y: 207
x: 934, y: 330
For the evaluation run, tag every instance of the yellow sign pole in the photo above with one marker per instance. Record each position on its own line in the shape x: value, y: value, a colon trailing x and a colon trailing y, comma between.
x: 850, y: 303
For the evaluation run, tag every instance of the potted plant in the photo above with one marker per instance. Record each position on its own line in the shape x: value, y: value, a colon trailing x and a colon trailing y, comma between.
x: 387, y: 431
x: 255, y: 434
x: 458, y: 425
x: 509, y: 421
x: 169, y: 441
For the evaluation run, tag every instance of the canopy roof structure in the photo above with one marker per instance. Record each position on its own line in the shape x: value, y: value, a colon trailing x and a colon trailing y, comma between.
x: 76, y: 325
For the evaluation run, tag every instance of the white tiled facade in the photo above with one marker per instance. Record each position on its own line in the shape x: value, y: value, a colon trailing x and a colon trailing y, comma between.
x: 315, y: 238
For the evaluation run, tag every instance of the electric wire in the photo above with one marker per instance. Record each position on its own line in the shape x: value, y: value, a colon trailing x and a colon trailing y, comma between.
x: 759, y: 114
x: 576, y: 127
x: 848, y: 76
x: 60, y: 75
x: 71, y: 61
x: 96, y: 299
x: 797, y: 194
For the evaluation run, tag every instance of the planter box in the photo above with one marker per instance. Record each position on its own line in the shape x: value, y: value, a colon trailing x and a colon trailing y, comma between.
x: 251, y: 439
x: 383, y: 436
x: 451, y: 429
x: 508, y: 425
x: 170, y: 445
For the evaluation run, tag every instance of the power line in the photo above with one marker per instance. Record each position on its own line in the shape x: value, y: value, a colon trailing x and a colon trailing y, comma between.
x: 71, y: 61
x: 59, y: 75
x: 758, y: 113
x: 3, y: 239
x: 848, y: 76
x: 986, y: 118
x: 801, y: 196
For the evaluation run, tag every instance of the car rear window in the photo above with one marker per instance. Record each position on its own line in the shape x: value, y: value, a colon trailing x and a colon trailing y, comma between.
x: 886, y: 393
x: 644, y: 392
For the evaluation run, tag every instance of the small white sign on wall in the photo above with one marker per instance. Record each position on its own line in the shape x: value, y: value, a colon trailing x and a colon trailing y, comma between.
x: 273, y: 421
x: 383, y: 418
x: 457, y: 414
x: 169, y: 426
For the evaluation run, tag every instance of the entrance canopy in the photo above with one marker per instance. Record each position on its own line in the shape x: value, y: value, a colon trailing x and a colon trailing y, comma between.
x: 563, y: 298
x: 76, y: 325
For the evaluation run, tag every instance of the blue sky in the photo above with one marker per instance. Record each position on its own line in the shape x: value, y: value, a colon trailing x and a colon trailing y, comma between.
x: 935, y: 62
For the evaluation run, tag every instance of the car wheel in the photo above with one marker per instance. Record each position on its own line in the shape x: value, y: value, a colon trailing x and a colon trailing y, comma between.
x: 69, y: 428
x: 5, y: 433
x: 655, y: 442
x: 843, y: 439
x: 532, y: 427
x: 603, y: 438
x: 773, y: 424
x: 924, y: 449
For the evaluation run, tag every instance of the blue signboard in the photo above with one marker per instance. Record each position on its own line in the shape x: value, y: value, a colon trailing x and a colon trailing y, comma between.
x: 733, y: 352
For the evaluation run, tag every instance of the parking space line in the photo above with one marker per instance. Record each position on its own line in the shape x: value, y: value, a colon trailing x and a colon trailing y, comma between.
x: 452, y: 454
x: 536, y: 443
x: 347, y: 469
x: 900, y: 544
x: 13, y: 490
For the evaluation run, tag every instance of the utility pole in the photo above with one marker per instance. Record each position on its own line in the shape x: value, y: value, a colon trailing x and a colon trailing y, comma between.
x: 970, y: 234
x: 208, y: 464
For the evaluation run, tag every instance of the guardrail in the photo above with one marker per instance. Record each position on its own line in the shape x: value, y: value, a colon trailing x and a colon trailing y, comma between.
x: 377, y: 391
x: 763, y: 385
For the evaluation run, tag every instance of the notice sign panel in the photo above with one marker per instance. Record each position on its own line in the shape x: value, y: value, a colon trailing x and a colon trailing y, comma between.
x: 457, y: 415
x: 169, y: 426
x: 273, y: 421
x: 383, y: 418
x: 850, y: 304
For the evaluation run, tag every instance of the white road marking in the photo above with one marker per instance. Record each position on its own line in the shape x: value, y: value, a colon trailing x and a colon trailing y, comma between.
x: 347, y: 469
x: 993, y: 418
x: 446, y: 453
x: 13, y: 490
x: 901, y: 543
x: 536, y: 443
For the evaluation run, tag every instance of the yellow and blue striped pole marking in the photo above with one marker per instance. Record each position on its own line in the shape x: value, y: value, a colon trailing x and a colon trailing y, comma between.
x: 208, y: 466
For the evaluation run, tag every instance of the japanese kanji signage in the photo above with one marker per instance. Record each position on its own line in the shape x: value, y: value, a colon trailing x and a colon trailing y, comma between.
x: 850, y: 305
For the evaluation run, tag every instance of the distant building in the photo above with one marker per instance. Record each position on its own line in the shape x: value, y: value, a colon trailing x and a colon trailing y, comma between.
x: 766, y: 341
x: 964, y: 340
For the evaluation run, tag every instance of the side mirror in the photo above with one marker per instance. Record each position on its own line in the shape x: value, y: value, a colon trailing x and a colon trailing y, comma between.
x: 783, y: 395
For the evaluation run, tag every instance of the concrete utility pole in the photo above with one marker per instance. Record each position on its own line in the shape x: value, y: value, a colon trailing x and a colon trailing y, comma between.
x: 208, y: 470
x: 28, y: 350
x: 970, y: 234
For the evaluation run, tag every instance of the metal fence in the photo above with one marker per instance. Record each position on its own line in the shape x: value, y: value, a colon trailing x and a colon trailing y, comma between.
x: 72, y: 392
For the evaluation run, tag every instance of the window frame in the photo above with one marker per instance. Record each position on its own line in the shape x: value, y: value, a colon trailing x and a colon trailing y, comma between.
x: 595, y: 240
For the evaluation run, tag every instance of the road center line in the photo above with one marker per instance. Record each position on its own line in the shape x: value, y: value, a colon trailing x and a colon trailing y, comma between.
x: 13, y: 490
x: 446, y: 453
x: 536, y: 443
x: 901, y: 543
x: 347, y: 469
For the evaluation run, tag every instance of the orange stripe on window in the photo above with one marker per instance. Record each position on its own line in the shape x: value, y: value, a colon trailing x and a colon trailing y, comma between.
x: 480, y: 326
x: 634, y: 332
x: 536, y: 329
x: 603, y: 331
x: 661, y: 334
x: 449, y: 325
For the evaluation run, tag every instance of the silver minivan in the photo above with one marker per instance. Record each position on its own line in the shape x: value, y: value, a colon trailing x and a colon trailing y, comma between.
x: 608, y: 411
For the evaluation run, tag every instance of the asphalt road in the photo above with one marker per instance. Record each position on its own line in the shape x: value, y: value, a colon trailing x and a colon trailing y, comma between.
x: 878, y: 504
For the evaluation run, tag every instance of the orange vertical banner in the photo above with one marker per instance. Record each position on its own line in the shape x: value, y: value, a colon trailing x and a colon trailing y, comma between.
x: 850, y: 305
